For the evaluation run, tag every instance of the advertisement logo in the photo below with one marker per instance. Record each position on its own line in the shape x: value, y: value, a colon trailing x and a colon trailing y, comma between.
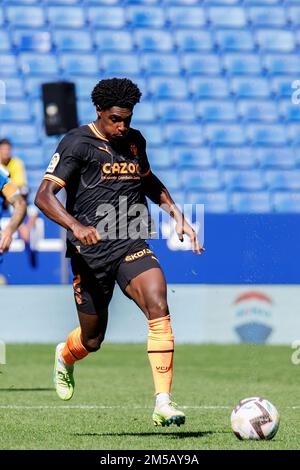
x: 253, y: 312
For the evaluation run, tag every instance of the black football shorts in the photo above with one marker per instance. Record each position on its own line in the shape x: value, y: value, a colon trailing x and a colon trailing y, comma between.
x: 93, y: 287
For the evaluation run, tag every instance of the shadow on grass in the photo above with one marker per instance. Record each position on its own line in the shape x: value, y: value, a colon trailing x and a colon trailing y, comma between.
x: 12, y: 389
x: 175, y: 435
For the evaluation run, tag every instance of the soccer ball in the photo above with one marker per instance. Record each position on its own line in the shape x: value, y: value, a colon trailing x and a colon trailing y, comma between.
x: 255, y: 418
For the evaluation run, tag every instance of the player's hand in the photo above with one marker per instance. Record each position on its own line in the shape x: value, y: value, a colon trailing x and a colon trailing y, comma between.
x: 87, y: 235
x: 5, y: 240
x: 183, y: 227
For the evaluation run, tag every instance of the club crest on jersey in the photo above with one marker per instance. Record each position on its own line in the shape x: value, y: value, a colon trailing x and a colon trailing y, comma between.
x: 53, y: 163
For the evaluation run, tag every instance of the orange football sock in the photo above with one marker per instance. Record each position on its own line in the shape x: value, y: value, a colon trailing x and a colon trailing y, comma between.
x: 74, y: 349
x: 160, y: 353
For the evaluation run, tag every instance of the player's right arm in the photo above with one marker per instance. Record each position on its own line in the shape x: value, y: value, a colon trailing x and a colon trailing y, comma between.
x: 64, y: 164
x: 49, y: 204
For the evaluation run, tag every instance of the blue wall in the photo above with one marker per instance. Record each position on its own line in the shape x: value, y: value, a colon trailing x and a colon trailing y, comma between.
x: 240, y: 249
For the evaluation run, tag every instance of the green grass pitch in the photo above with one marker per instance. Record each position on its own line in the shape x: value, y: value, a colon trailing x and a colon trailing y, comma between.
x: 113, y: 401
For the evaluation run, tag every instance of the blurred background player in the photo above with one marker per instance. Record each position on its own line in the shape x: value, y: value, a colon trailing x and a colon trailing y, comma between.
x: 17, y: 173
x: 10, y: 193
x: 98, y: 164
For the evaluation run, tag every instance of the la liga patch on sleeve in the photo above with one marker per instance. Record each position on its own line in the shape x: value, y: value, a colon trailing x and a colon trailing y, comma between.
x: 53, y: 163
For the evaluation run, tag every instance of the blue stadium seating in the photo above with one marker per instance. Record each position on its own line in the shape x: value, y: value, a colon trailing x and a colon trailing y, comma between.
x: 14, y: 88
x: 176, y: 110
x: 152, y: 133
x: 170, y: 178
x: 216, y: 110
x: 286, y: 201
x: 4, y: 41
x: 204, y: 64
x: 216, y: 78
x: 279, y: 179
x: 106, y: 17
x: 251, y: 110
x: 144, y: 112
x: 209, y: 87
x: 247, y: 180
x: 293, y: 134
x: 266, y: 134
x: 84, y: 86
x: 85, y: 64
x: 175, y: 88
x: 191, y: 40
x: 276, y: 157
x: 36, y: 107
x: 20, y: 134
x: 234, y: 40
x: 15, y: 111
x: 289, y: 111
x: 242, y: 64
x: 38, y: 64
x: 32, y: 157
x: 120, y: 41
x: 271, y: 40
x: 281, y: 86
x: 186, y: 16
x: 153, y: 40
x: 204, y: 180
x: 179, y: 134
x: 32, y: 40
x: 66, y: 17
x: 68, y: 40
x: 267, y: 16
x: 8, y: 65
x: 235, y: 157
x: 143, y: 15
x: 26, y: 16
x: 214, y: 202
x: 294, y: 15
x: 196, y: 158
x: 34, y: 178
x: 224, y: 134
x: 159, y: 157
x: 120, y: 63
x: 86, y: 111
x: 33, y: 85
x: 223, y: 16
x: 281, y: 64
x: 258, y: 202
x: 158, y: 64
x: 248, y: 87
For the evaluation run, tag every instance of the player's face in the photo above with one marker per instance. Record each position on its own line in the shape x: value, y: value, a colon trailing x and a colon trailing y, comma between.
x: 114, y: 123
x: 5, y: 154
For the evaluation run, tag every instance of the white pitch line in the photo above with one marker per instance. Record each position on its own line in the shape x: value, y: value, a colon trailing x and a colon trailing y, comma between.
x: 116, y: 407
x: 99, y: 407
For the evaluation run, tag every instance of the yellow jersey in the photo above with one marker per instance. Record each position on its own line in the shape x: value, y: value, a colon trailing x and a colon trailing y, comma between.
x: 17, y: 172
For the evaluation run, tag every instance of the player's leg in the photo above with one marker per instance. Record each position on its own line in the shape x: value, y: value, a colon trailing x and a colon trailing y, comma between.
x: 80, y: 342
x: 92, y: 301
x: 144, y: 282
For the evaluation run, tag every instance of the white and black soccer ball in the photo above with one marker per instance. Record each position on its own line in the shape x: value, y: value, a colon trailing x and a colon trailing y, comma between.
x: 255, y: 418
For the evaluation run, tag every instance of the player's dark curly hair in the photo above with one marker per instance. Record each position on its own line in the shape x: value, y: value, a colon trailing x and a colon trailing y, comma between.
x: 120, y: 92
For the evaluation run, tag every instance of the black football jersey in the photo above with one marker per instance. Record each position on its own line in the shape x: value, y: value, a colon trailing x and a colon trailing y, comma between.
x: 102, y: 180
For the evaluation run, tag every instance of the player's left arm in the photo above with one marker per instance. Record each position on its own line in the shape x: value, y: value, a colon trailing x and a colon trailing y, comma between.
x: 13, y: 197
x: 158, y: 193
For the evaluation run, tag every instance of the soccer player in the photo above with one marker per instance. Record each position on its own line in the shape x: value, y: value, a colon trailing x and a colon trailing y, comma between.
x: 9, y: 193
x: 17, y: 173
x: 104, y: 168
